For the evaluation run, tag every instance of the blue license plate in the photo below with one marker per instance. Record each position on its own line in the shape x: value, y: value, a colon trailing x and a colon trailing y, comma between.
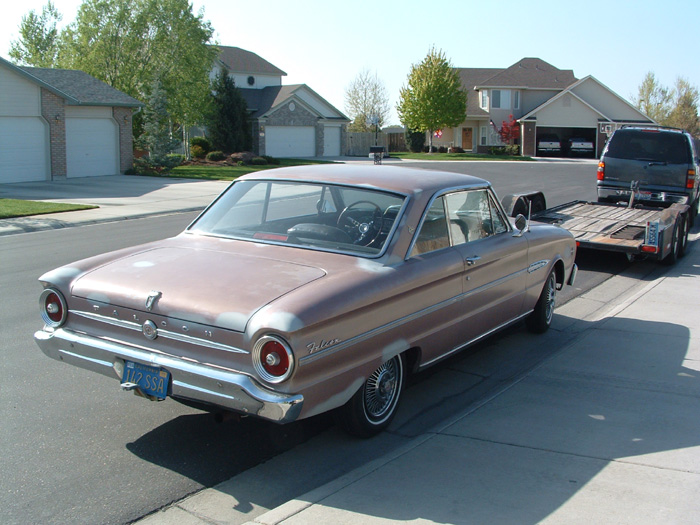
x: 150, y: 380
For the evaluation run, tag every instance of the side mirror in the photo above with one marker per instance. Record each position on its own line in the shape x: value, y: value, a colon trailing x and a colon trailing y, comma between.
x: 521, y: 222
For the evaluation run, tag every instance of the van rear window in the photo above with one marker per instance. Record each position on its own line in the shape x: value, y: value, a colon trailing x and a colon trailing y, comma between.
x: 652, y: 146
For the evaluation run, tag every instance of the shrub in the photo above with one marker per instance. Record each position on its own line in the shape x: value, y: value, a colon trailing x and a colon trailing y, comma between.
x: 174, y: 159
x: 197, y: 152
x: 455, y: 149
x: 442, y: 149
x: 513, y: 149
x: 497, y: 150
x: 242, y: 156
x: 415, y: 140
x: 202, y: 142
x: 428, y: 149
x: 271, y: 160
x: 258, y: 161
x: 216, y: 156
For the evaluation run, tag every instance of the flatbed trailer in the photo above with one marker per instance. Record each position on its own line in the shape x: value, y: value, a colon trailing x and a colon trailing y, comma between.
x: 637, y: 231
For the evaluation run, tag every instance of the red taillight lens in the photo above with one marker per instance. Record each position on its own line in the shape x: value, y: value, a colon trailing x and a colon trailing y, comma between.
x: 273, y: 359
x: 690, y: 180
x: 52, y: 307
x: 601, y: 170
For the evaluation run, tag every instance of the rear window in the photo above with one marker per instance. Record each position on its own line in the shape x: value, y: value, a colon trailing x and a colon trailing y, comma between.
x: 652, y: 146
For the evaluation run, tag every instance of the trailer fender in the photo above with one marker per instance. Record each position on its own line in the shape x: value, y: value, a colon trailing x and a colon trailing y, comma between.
x: 519, y: 203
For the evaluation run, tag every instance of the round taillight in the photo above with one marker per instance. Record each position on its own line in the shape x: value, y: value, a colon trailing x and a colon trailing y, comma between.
x: 273, y: 359
x: 52, y: 307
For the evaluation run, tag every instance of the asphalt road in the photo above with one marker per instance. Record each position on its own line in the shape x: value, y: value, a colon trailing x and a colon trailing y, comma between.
x: 77, y: 450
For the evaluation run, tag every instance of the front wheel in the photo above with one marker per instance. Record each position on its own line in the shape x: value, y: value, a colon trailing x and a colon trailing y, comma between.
x: 374, y: 405
x: 541, y: 317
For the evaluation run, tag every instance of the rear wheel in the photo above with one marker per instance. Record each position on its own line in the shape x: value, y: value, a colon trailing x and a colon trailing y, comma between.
x: 541, y: 317
x: 373, y: 406
x: 676, y: 237
x: 683, y: 238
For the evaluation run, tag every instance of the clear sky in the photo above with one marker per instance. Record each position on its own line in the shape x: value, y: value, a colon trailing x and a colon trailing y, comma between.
x: 325, y: 43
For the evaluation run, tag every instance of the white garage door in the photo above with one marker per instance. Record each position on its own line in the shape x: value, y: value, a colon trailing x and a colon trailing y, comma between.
x: 290, y: 141
x: 331, y: 141
x: 24, y: 151
x: 92, y: 146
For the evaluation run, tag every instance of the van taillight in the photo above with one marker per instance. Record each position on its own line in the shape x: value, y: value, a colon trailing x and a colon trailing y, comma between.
x: 601, y: 170
x: 690, y: 180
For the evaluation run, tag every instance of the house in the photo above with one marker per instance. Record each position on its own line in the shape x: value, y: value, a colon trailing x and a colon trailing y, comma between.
x: 544, y: 100
x: 287, y: 121
x: 57, y: 123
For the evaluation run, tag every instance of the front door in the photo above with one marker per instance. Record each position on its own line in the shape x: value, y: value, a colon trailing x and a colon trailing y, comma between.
x: 467, y: 139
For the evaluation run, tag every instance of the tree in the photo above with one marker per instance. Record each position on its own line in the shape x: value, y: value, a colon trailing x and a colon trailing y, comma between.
x: 509, y: 133
x: 38, y: 43
x: 227, y: 126
x: 366, y: 102
x: 684, y: 114
x: 156, y: 136
x: 129, y: 43
x: 433, y: 97
x: 653, y: 99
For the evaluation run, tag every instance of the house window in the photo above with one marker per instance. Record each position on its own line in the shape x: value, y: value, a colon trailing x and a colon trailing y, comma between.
x: 500, y: 98
x: 484, y: 99
x: 516, y: 99
x: 484, y: 135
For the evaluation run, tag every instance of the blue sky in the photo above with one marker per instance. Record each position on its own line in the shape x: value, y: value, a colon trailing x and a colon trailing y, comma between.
x: 325, y: 44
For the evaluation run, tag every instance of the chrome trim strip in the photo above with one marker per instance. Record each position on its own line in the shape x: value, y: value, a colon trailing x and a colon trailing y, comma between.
x: 403, y: 320
x: 165, y: 334
x: 537, y: 265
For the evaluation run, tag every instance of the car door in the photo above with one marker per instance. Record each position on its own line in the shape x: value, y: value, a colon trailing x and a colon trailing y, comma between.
x: 495, y: 261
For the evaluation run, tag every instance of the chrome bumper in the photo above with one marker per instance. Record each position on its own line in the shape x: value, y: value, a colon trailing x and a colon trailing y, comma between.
x: 192, y: 381
x: 662, y: 198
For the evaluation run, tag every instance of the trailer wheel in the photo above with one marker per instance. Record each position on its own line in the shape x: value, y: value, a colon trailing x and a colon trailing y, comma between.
x: 673, y: 255
x: 683, y: 237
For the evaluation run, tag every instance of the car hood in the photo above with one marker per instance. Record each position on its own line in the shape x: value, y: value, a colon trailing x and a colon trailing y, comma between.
x: 217, y: 288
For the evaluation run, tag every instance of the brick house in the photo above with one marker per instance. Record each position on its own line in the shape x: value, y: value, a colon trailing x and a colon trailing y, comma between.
x: 57, y: 123
x: 544, y: 100
x: 287, y: 121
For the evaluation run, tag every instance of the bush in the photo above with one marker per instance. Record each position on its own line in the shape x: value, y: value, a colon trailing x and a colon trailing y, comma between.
x: 271, y: 160
x: 258, y: 161
x: 415, y: 140
x: 455, y: 149
x: 216, y: 156
x: 174, y: 159
x: 202, y: 142
x: 242, y: 156
x: 197, y: 152
x: 497, y: 150
x: 442, y: 149
x: 428, y: 149
x: 513, y: 149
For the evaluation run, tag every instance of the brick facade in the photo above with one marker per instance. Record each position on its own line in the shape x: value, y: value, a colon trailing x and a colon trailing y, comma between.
x: 126, y: 137
x: 286, y: 116
x: 53, y: 110
x: 528, y: 139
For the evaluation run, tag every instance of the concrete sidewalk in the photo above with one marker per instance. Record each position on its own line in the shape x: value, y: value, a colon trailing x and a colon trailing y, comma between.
x: 119, y: 197
x: 606, y: 430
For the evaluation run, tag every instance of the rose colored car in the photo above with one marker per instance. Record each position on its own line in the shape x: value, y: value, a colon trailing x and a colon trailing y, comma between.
x: 309, y: 289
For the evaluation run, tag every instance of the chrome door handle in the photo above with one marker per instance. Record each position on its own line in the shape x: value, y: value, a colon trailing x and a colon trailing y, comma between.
x: 471, y: 261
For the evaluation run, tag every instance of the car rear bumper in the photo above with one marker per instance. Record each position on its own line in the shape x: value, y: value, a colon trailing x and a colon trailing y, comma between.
x: 190, y: 380
x: 658, y: 198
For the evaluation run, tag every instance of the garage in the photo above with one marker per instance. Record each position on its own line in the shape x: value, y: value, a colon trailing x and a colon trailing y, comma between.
x: 331, y: 141
x: 92, y: 142
x: 290, y: 141
x: 566, y: 137
x: 24, y: 150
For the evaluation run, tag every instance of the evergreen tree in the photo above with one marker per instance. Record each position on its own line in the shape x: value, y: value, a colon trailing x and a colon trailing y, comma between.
x: 227, y: 126
x: 157, y: 137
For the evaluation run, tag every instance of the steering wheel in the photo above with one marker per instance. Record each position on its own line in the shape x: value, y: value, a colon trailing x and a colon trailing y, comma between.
x: 364, y: 229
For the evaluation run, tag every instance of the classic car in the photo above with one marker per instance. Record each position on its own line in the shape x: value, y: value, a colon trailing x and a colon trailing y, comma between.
x: 308, y: 289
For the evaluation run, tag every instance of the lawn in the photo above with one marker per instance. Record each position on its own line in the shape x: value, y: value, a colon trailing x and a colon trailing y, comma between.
x: 10, y: 208
x: 457, y: 156
x: 223, y: 172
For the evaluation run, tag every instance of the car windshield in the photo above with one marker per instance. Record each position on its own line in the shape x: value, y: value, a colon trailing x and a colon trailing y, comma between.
x: 317, y: 216
x: 649, y: 145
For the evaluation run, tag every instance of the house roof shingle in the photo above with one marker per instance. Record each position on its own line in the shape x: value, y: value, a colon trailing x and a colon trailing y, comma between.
x: 79, y: 88
x: 239, y: 60
x: 470, y: 78
x: 532, y: 73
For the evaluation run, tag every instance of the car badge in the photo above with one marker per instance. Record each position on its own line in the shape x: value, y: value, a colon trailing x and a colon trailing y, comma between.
x: 153, y: 296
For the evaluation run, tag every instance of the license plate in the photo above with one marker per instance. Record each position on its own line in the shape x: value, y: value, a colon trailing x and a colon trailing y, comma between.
x: 150, y: 380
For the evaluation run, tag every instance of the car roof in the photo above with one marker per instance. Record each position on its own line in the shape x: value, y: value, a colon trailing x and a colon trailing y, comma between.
x: 398, y: 179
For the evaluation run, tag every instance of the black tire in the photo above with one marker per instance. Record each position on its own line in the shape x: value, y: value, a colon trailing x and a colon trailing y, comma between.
x: 540, y: 319
x: 683, y: 241
x: 673, y: 255
x: 374, y: 405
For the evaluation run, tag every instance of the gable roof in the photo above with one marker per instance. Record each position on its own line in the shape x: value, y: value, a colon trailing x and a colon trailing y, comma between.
x: 261, y: 101
x: 471, y: 77
x: 76, y: 87
x: 239, y: 60
x: 530, y: 73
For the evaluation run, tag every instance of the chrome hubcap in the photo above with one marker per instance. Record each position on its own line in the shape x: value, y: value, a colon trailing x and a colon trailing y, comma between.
x: 381, y: 389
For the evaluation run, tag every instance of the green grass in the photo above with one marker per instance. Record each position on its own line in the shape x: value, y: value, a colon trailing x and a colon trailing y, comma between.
x: 457, y: 156
x: 232, y: 172
x: 10, y: 208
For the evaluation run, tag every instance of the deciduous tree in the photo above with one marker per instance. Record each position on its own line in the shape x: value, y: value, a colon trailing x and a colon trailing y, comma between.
x: 653, y: 99
x: 366, y: 102
x: 434, y: 97
x: 38, y: 43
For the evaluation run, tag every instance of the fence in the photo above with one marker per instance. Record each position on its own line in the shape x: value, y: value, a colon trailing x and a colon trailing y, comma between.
x: 359, y: 143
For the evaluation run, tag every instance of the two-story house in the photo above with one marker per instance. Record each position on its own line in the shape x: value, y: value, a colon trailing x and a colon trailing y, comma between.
x: 544, y: 100
x: 287, y: 121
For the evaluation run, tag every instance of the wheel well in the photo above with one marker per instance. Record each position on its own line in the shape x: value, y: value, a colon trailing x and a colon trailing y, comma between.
x: 560, y: 273
x: 412, y: 356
